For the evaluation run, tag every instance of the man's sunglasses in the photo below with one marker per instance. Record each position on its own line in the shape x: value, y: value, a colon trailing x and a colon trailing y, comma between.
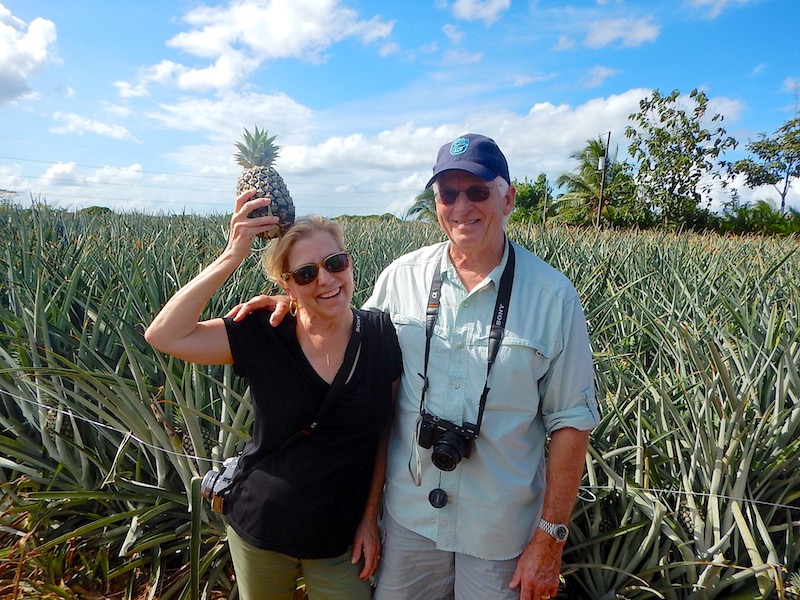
x: 335, y: 263
x: 477, y: 193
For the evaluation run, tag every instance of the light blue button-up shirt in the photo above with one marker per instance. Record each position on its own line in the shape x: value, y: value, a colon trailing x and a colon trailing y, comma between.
x: 541, y: 381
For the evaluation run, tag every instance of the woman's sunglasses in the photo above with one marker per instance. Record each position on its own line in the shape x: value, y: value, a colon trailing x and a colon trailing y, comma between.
x: 335, y: 263
x: 477, y: 193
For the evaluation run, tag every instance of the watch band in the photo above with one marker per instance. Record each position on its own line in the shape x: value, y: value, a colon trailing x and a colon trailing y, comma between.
x: 558, y: 531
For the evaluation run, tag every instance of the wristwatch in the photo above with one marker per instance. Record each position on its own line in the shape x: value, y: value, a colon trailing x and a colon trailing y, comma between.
x: 558, y: 531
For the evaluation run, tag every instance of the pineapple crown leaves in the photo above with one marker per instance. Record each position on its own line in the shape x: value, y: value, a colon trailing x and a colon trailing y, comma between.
x: 257, y: 149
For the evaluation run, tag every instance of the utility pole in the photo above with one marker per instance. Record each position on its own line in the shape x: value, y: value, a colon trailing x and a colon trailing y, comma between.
x: 601, y: 166
x: 544, y: 204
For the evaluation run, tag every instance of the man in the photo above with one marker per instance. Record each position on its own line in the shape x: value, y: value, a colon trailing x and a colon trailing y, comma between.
x: 487, y: 536
x: 475, y: 508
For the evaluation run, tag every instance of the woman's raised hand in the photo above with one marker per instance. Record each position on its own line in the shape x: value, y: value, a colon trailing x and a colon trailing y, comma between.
x: 243, y: 228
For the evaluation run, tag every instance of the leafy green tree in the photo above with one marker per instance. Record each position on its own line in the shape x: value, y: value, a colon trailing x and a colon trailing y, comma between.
x: 678, y: 158
x: 776, y: 160
x: 759, y: 217
x: 532, y: 199
x: 623, y: 206
x: 424, y: 207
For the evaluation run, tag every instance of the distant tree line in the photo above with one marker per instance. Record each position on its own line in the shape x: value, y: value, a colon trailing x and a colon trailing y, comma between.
x: 675, y: 161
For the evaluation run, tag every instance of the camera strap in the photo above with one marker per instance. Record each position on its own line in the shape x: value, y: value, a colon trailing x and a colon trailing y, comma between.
x: 342, y: 377
x: 495, y: 332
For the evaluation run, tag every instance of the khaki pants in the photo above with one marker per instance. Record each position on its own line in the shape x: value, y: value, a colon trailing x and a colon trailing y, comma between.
x: 412, y: 568
x: 265, y: 575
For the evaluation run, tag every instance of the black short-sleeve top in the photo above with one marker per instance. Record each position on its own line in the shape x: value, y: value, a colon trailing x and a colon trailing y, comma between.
x: 307, y: 499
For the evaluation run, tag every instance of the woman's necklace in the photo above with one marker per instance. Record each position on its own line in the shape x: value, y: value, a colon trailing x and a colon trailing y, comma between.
x: 321, y: 347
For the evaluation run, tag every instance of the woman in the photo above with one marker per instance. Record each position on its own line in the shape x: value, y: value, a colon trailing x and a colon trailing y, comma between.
x: 309, y: 508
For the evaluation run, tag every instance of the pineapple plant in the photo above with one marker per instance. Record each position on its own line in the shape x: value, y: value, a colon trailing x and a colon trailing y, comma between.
x: 792, y: 591
x: 256, y: 154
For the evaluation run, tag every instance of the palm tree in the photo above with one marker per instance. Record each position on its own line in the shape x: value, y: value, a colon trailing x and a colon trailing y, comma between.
x: 424, y: 207
x: 583, y: 184
x: 598, y: 173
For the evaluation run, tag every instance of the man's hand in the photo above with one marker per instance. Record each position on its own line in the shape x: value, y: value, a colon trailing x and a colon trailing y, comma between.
x: 280, y: 304
x: 538, y: 568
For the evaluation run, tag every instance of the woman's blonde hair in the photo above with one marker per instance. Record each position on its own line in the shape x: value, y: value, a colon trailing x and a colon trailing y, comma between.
x: 275, y: 258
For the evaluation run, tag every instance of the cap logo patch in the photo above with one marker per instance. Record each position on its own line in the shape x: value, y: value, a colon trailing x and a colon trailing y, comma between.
x: 459, y: 146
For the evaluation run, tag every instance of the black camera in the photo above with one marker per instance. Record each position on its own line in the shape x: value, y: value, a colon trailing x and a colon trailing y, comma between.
x: 450, y: 442
x: 215, y: 486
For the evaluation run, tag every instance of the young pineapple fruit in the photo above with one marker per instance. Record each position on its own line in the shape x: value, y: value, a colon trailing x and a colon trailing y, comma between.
x: 256, y: 154
x: 608, y: 512
x: 58, y: 423
x: 180, y: 431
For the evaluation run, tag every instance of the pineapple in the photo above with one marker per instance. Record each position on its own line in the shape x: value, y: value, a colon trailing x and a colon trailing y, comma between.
x: 608, y: 513
x: 180, y: 431
x: 685, y: 517
x: 58, y: 422
x: 256, y: 154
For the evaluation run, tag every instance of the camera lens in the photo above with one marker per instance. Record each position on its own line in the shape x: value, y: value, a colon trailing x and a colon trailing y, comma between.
x: 449, y: 451
x: 207, y: 484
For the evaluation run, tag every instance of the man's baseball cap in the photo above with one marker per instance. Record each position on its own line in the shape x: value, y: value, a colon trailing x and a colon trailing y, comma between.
x: 473, y: 153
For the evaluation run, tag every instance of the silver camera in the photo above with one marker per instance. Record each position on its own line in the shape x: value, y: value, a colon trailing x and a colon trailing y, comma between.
x: 216, y: 485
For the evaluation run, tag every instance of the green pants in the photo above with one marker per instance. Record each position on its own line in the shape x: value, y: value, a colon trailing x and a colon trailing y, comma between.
x: 265, y: 575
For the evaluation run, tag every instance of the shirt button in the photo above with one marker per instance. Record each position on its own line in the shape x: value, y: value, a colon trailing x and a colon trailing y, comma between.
x: 456, y: 385
x: 460, y: 344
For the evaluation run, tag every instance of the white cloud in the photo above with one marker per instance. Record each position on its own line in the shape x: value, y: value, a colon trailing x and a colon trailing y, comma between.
x: 565, y: 43
x: 729, y: 108
x: 480, y: 10
x: 24, y: 51
x: 10, y: 178
x: 224, y: 115
x: 389, y: 49
x: 60, y: 175
x: 596, y: 76
x: 452, y: 33
x: 628, y: 32
x: 117, y: 175
x: 117, y: 110
x: 791, y: 85
x: 129, y: 90
x: 76, y: 124
x: 239, y: 36
x: 384, y: 172
x: 716, y: 7
x: 461, y: 57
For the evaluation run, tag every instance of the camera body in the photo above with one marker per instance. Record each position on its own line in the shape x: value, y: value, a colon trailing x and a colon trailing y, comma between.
x: 215, y: 485
x: 450, y: 442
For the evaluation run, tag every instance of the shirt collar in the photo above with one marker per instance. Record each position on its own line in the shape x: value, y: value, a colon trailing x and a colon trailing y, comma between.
x: 449, y: 271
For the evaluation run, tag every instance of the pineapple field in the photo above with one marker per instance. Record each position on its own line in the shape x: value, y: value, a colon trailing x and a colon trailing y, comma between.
x: 692, y: 485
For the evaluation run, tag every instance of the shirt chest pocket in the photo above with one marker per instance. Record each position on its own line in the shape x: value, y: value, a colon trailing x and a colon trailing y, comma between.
x: 410, y: 331
x: 516, y: 373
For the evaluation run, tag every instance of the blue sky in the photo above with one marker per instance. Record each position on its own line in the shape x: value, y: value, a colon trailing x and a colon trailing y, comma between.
x: 136, y: 105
